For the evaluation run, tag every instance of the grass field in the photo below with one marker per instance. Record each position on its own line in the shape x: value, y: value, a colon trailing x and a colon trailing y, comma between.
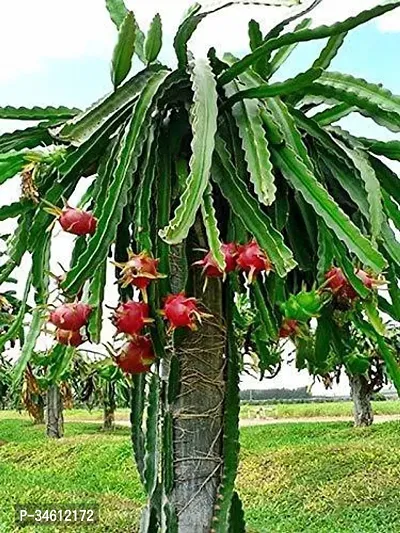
x: 278, y: 411
x: 310, y: 410
x: 293, y: 478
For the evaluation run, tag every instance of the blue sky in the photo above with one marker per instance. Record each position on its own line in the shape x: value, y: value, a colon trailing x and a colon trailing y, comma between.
x: 83, y: 77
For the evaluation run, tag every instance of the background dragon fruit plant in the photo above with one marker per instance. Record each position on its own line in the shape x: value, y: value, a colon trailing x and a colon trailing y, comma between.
x: 208, y: 156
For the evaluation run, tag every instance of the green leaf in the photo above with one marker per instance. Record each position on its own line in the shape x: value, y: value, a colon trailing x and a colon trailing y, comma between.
x: 290, y: 132
x: 17, y: 246
x: 330, y: 51
x: 26, y: 138
x: 333, y: 114
x: 278, y: 89
x: 322, y: 32
x: 255, y: 35
x: 195, y: 15
x: 236, y: 515
x: 124, y: 50
x: 37, y: 113
x: 168, y: 452
x: 110, y: 213
x: 392, y: 365
x: 14, y: 210
x: 204, y: 126
x: 394, y: 290
x: 191, y: 20
x: 303, y: 181
x: 117, y: 11
x: 390, y: 242
x: 353, y: 187
x: 323, y: 335
x: 137, y: 411
x: 15, y: 327
x: 388, y: 179
x: 89, y: 122
x: 286, y: 51
x: 96, y: 297
x: 371, y: 310
x: 62, y: 356
x: 41, y: 269
x: 163, y: 210
x: 246, y: 207
x: 372, y: 187
x: 372, y: 100
x: 11, y: 164
x: 325, y: 251
x: 153, y: 42
x: 264, y: 309
x: 258, y: 158
x: 143, y: 199
x: 231, y: 445
x: 389, y: 149
x: 151, y: 442
x: 211, y: 225
x: 38, y: 319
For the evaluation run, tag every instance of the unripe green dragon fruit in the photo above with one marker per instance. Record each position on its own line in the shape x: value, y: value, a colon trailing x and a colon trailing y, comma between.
x: 303, y: 306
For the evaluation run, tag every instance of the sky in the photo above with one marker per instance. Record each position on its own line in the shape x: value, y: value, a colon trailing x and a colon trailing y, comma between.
x: 57, y: 52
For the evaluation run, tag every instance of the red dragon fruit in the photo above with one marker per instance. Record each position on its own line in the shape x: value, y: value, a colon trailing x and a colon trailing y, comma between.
x: 140, y: 270
x: 253, y: 259
x: 335, y: 278
x: 367, y: 280
x: 69, y: 338
x: 77, y: 222
x: 136, y: 356
x: 210, y: 267
x: 71, y: 316
x: 131, y: 317
x: 288, y: 328
x: 182, y: 312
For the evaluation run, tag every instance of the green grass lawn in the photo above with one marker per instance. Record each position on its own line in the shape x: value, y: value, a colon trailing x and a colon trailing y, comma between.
x: 309, y: 410
x: 293, y: 478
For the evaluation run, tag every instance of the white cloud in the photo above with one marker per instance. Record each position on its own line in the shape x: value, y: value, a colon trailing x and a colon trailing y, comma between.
x: 31, y: 33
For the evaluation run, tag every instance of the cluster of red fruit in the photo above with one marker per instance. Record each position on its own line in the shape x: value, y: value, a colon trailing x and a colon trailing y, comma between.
x: 137, y: 355
x: 337, y: 282
x: 69, y: 319
x: 342, y: 291
x: 247, y: 257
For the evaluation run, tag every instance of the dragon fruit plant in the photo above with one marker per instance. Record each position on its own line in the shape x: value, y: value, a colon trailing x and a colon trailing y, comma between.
x: 209, y: 169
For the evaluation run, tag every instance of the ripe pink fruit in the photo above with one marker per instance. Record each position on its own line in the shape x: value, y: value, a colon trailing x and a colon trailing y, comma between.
x: 71, y: 316
x: 335, y: 278
x: 253, y: 260
x: 136, y: 356
x: 69, y: 338
x: 140, y: 270
x: 210, y: 267
x: 131, y: 317
x: 182, y: 312
x: 77, y: 222
x: 342, y: 288
x: 368, y: 281
x: 288, y: 328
